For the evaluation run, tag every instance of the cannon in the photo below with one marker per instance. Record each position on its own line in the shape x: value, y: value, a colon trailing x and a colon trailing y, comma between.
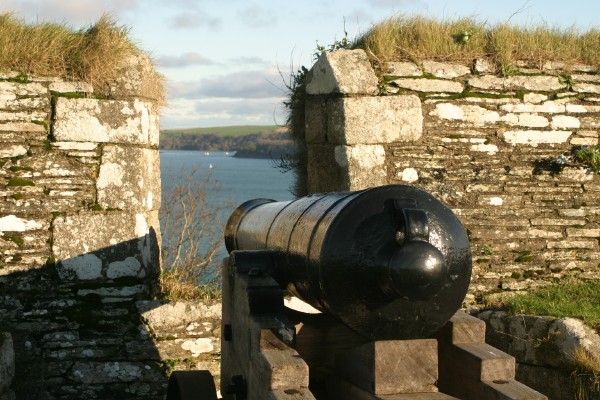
x: 391, y: 262
x: 388, y: 267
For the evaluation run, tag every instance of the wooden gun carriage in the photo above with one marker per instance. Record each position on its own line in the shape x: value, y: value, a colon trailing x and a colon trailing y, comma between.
x: 388, y: 267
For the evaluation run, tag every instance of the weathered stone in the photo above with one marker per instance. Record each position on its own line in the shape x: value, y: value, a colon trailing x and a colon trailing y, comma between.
x: 429, y: 85
x: 483, y: 65
x: 572, y: 337
x: 324, y: 174
x: 445, y: 70
x: 549, y: 107
x: 533, y: 83
x: 91, y: 120
x: 342, y: 71
x: 129, y: 179
x: 81, y: 240
x: 180, y: 318
x: 534, y: 98
x: 94, y: 372
x: 83, y: 267
x: 21, y: 127
x: 14, y: 150
x: 526, y: 120
x: 590, y: 233
x: 579, y: 108
x: 138, y: 79
x: 565, y: 122
x: 7, y: 362
x: 585, y: 77
x: 409, y: 175
x: 22, y: 89
x: 476, y: 115
x: 371, y: 120
x: 401, y: 69
x: 127, y: 267
x: 586, y: 88
x: 83, y: 146
x: 33, y: 115
x: 12, y: 223
x: 316, y: 120
x: 535, y: 138
x: 71, y: 87
x: 365, y: 165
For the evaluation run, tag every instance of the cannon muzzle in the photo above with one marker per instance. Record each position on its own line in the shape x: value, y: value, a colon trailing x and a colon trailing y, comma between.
x: 391, y: 262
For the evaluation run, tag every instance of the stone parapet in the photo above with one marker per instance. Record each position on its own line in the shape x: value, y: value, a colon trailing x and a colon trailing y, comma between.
x: 500, y: 151
x: 79, y: 233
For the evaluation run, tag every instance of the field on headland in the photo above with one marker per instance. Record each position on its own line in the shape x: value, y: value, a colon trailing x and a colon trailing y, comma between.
x: 262, y: 141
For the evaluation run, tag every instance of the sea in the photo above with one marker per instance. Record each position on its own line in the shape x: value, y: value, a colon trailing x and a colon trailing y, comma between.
x: 238, y: 179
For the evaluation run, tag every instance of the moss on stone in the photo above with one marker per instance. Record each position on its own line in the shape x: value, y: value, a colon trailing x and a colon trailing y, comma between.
x: 18, y: 196
x: 16, y: 168
x: 15, y: 181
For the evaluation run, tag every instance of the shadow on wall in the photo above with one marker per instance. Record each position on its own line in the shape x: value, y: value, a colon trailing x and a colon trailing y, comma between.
x: 77, y: 332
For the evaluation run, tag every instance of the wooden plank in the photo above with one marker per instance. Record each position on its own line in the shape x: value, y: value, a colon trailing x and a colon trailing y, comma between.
x: 463, y: 328
x: 342, y: 389
x: 510, y: 390
x: 391, y: 366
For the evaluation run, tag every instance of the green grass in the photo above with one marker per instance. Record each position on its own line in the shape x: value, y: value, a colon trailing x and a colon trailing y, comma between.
x: 568, y: 299
x: 590, y: 156
x: 239, y: 130
x: 94, y: 54
x: 419, y: 38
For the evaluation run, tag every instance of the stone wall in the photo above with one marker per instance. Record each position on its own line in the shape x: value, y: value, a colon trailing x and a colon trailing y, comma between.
x: 79, y: 233
x: 497, y: 150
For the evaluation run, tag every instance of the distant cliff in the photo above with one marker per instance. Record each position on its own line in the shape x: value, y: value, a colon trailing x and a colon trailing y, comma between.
x: 273, y: 143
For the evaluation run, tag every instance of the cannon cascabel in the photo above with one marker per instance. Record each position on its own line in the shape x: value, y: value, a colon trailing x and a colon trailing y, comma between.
x: 391, y: 262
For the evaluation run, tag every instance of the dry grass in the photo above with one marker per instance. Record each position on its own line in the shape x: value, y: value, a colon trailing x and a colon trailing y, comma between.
x: 586, y: 376
x: 191, y: 227
x: 419, y: 38
x: 94, y: 54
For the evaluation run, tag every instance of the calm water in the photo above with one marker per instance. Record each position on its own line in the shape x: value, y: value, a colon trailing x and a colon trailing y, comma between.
x: 239, y: 179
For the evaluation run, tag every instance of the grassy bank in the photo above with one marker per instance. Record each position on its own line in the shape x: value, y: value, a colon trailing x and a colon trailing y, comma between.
x: 419, y: 38
x: 95, y: 54
x: 238, y: 130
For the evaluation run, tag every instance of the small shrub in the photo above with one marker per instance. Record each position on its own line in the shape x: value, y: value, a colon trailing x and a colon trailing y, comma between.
x: 591, y: 156
x: 191, y: 228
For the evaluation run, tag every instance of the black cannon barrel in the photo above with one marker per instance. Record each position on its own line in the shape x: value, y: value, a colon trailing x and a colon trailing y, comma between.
x: 391, y: 262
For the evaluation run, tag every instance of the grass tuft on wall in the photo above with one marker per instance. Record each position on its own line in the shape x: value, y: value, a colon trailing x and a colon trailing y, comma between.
x: 419, y: 38
x: 95, y: 54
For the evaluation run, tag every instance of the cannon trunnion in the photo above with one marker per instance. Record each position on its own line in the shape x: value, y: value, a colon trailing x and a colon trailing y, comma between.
x: 391, y: 262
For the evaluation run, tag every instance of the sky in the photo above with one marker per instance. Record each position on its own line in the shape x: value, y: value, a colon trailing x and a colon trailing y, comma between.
x: 227, y: 62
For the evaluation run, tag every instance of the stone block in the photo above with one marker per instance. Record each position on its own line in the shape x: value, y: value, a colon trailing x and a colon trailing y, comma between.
x: 533, y: 83
x: 13, y: 150
x: 343, y: 72
x: 565, y: 122
x: 549, y: 107
x: 371, y: 120
x: 180, y: 318
x: 535, y: 138
x: 483, y: 65
x: 94, y: 245
x: 7, y: 362
x: 586, y: 88
x: 430, y: 85
x: 20, y: 126
x: 97, y: 372
x: 138, y: 78
x: 401, y: 69
x: 474, y: 115
x: 129, y: 179
x: 324, y: 174
x: 71, y: 87
x: 365, y: 165
x: 316, y: 120
x: 102, y: 121
x: 445, y: 70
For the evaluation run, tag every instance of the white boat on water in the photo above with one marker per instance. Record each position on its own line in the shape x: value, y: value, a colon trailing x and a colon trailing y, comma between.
x: 206, y: 153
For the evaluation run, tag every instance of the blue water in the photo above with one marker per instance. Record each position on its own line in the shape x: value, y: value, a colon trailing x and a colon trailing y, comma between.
x: 241, y: 179
x: 238, y: 179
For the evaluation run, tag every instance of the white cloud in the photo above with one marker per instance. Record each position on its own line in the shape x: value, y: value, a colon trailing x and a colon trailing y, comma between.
x: 183, y: 60
x: 255, y: 84
x: 75, y: 12
x: 194, y: 19
x: 256, y: 16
